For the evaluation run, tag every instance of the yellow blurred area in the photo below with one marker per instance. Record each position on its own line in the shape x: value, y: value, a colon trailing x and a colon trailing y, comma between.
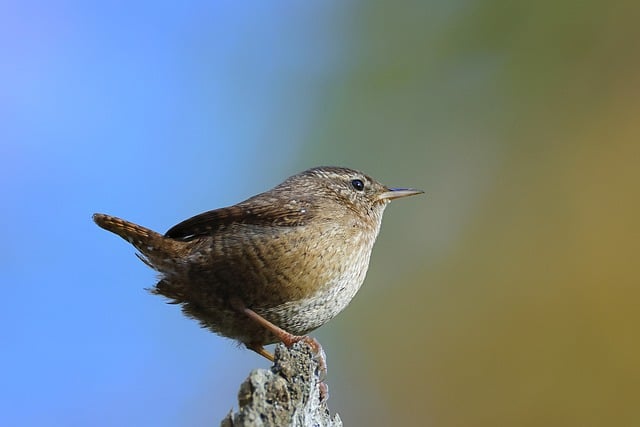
x: 509, y: 294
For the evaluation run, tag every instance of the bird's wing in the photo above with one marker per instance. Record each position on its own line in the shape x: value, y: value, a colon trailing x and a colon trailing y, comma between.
x: 260, y: 212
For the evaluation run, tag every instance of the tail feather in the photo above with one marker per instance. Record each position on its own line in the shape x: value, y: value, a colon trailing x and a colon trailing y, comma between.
x: 132, y: 233
x: 156, y: 250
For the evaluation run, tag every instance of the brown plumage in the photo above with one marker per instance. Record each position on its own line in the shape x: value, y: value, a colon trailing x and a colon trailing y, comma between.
x: 294, y: 255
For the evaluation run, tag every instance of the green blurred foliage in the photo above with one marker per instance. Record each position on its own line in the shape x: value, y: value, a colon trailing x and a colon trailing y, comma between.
x: 509, y: 294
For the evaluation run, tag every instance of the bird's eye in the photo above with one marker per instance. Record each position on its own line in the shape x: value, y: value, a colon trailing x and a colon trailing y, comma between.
x: 357, y: 184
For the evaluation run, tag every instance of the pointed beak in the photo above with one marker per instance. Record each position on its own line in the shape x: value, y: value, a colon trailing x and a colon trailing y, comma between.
x: 396, y: 193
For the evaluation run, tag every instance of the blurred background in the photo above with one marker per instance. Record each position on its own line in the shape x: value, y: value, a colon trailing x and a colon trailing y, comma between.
x: 508, y: 295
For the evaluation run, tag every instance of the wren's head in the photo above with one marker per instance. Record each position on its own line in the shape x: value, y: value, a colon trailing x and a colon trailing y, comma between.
x: 344, y: 192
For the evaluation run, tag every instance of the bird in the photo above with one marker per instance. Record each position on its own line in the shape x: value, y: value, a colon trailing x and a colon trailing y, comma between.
x: 274, y: 267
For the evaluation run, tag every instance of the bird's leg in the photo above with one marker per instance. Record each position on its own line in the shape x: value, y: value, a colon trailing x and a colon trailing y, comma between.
x: 287, y: 338
x: 261, y: 351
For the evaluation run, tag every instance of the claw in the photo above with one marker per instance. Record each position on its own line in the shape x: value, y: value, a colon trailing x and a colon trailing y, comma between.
x: 287, y: 338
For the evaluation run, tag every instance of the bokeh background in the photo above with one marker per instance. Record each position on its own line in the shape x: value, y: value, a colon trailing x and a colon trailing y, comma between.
x: 508, y: 295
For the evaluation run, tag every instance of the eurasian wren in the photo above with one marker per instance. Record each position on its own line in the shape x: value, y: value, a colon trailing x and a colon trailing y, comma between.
x: 274, y: 267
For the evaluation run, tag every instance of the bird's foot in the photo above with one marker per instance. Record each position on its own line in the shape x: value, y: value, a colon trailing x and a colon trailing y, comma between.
x: 318, y: 352
x: 288, y: 339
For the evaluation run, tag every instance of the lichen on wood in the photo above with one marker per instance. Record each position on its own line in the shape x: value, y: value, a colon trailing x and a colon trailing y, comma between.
x: 288, y: 394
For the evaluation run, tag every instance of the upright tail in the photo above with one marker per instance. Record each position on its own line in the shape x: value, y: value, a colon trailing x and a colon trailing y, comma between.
x: 157, y: 251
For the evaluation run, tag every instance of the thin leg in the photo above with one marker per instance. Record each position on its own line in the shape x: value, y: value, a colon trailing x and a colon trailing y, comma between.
x: 261, y: 351
x: 287, y: 338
